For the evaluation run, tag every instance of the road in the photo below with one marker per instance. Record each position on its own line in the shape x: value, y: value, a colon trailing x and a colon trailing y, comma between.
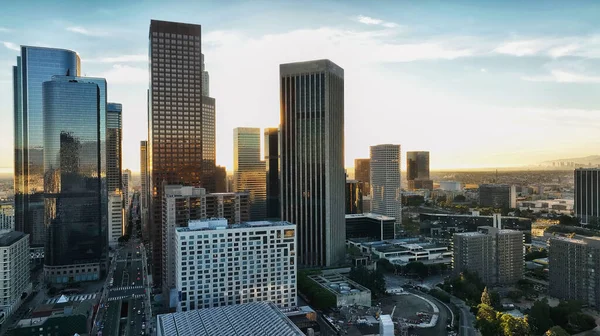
x: 467, y: 319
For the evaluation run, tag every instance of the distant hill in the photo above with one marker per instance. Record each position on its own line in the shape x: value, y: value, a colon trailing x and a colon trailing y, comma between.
x: 592, y: 159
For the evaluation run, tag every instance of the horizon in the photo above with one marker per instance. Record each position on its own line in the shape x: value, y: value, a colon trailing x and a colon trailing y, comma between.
x: 459, y: 84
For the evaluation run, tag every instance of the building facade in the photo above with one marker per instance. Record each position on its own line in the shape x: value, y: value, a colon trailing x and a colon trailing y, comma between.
x: 386, y: 196
x: 272, y: 170
x: 209, y: 144
x: 114, y: 152
x: 362, y: 173
x: 417, y: 171
x: 235, y: 207
x: 264, y: 271
x: 312, y: 158
x: 175, y: 114
x: 587, y: 194
x: 34, y: 66
x: 144, y: 196
x: 14, y: 270
x: 573, y: 272
x: 127, y: 189
x: 73, y: 188
x: 354, y: 197
x: 7, y: 216
x: 495, y: 254
x: 115, y: 218
x: 370, y: 226
x: 221, y: 179
x: 249, y: 173
x: 502, y: 196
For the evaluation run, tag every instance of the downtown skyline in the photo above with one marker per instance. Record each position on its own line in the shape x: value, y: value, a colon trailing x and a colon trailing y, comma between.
x: 495, y: 97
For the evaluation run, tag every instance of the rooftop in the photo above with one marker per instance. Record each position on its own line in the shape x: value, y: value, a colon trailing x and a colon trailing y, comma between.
x: 221, y: 224
x: 466, y: 216
x: 338, y: 284
x: 10, y: 237
x: 370, y: 215
x: 249, y: 319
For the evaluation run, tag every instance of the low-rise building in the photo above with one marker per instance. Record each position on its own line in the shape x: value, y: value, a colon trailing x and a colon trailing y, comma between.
x: 444, y: 225
x: 14, y: 270
x: 346, y: 291
x: 369, y: 225
x: 404, y: 251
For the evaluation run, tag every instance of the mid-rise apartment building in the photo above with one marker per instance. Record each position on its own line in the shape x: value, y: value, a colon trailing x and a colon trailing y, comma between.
x: 115, y: 218
x: 496, y: 255
x: 218, y: 264
x: 498, y: 196
x: 7, y: 216
x: 14, y: 270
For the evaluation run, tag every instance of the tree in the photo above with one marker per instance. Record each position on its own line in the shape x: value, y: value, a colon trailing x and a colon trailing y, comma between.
x: 513, y: 326
x: 539, y: 317
x: 459, y: 198
x: 487, y: 320
x: 536, y: 254
x: 418, y: 268
x: 556, y: 331
x: 560, y: 313
x: 485, y: 297
x: 580, y: 322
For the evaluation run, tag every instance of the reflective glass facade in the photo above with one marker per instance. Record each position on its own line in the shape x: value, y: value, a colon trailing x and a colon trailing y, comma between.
x: 362, y: 172
x: 354, y: 195
x: 312, y: 159
x: 72, y: 177
x: 35, y: 66
x: 114, y: 146
x: 272, y: 170
x: 209, y: 144
x: 175, y: 114
x: 249, y: 171
x: 417, y: 170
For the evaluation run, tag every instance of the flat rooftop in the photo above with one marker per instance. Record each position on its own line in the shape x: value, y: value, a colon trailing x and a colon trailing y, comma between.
x: 246, y: 225
x: 10, y: 237
x: 334, y: 283
x: 471, y: 216
x: 369, y: 215
x: 249, y: 319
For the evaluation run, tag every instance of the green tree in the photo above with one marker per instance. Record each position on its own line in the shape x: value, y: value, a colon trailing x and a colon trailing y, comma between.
x: 580, y: 322
x: 556, y: 331
x: 486, y: 298
x: 487, y: 320
x: 560, y: 313
x: 539, y: 317
x: 418, y: 268
x: 513, y: 326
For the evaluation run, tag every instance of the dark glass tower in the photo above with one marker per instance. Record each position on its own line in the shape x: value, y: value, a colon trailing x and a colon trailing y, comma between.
x: 272, y: 167
x: 362, y: 172
x: 73, y: 186
x: 35, y: 66
x: 114, y: 139
x: 312, y: 159
x: 175, y: 114
x: 249, y: 170
x: 354, y: 197
x: 417, y: 171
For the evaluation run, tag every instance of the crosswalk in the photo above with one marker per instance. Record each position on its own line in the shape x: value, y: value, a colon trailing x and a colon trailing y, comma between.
x: 126, y: 288
x: 122, y: 297
x: 71, y: 298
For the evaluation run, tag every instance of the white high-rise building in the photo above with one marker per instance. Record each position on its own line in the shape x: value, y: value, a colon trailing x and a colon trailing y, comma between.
x: 385, y: 181
x: 115, y: 218
x: 14, y: 270
x: 127, y: 189
x: 7, y: 216
x: 218, y: 264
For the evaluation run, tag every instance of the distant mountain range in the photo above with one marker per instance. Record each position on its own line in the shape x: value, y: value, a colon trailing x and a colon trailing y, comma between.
x: 592, y: 159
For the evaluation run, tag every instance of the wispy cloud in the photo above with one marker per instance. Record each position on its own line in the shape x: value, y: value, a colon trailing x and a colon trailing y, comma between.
x: 5, y: 30
x: 373, y: 21
x: 553, y: 47
x: 85, y: 31
x: 563, y: 76
x: 119, y: 59
x: 11, y: 46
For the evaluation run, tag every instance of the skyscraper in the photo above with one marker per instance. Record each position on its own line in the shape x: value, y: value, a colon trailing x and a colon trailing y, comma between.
x: 354, y: 197
x: 249, y: 171
x: 205, y: 80
x: 175, y: 114
x: 312, y: 158
x: 272, y: 171
x: 144, y: 184
x: 209, y: 145
x: 417, y: 171
x: 35, y: 66
x: 220, y: 179
x: 127, y: 184
x: 587, y: 194
x: 385, y: 181
x: 497, y: 196
x: 362, y: 172
x: 114, y: 140
x: 73, y: 186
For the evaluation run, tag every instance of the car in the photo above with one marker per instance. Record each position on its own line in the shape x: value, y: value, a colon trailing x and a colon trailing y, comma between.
x: 143, y: 325
x: 138, y: 278
x: 142, y: 333
x: 132, y: 322
x: 139, y: 312
x: 133, y: 283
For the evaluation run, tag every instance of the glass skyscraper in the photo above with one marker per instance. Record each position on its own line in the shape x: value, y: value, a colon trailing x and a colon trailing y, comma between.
x: 114, y: 140
x: 272, y: 171
x: 73, y: 186
x: 417, y: 170
x: 312, y: 159
x: 249, y: 171
x: 35, y: 66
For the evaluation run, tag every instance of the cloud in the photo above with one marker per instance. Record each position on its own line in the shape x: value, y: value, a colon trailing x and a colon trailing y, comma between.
x: 553, y: 47
x: 563, y: 76
x: 483, y: 70
x: 85, y: 31
x: 5, y: 30
x: 11, y: 46
x: 125, y: 74
x: 119, y: 59
x: 373, y: 21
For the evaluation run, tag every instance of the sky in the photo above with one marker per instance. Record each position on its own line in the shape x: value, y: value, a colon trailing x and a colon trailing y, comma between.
x: 476, y: 83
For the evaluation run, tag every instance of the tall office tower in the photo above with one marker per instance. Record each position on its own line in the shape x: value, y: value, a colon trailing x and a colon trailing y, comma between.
x: 233, y: 206
x: 35, y: 66
x: 144, y: 193
x: 249, y: 171
x: 574, y: 271
x: 272, y: 170
x: 354, y: 197
x: 209, y: 145
x: 417, y: 171
x: 73, y: 186
x: 180, y: 205
x: 205, y: 80
x: 495, y: 254
x: 114, y: 141
x: 175, y: 114
x: 220, y: 179
x: 246, y: 275
x: 385, y: 181
x: 14, y: 270
x: 587, y: 194
x: 127, y: 188
x: 115, y: 218
x: 7, y: 216
x: 312, y: 158
x: 362, y: 173
x: 498, y: 196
